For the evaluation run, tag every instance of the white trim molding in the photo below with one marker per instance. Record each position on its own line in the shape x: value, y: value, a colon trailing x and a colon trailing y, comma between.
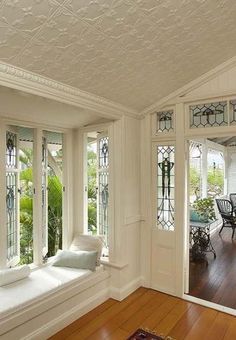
x: 68, y: 316
x: 20, y: 79
x: 121, y: 293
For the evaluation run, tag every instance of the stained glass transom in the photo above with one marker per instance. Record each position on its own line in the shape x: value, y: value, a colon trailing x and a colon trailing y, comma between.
x: 165, y: 187
x: 103, y: 152
x: 165, y: 121
x: 11, y: 206
x: 208, y: 115
x: 11, y: 157
x: 232, y: 105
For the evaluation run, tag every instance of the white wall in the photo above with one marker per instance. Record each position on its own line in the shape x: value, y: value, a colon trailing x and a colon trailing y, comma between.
x: 35, y: 109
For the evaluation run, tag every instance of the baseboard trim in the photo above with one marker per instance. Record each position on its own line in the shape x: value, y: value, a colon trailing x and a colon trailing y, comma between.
x: 68, y: 317
x: 121, y: 293
x: 163, y: 289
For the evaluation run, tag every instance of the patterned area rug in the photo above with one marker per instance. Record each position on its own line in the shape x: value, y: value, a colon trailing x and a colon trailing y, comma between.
x: 141, y: 334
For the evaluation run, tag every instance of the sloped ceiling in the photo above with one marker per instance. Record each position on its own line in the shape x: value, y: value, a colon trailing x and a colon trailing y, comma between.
x: 133, y: 52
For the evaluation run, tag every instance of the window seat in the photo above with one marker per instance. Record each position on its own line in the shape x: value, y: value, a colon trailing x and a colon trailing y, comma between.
x: 43, y: 289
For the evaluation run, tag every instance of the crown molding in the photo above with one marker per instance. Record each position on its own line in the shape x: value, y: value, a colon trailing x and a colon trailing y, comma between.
x: 20, y: 79
x: 179, y: 94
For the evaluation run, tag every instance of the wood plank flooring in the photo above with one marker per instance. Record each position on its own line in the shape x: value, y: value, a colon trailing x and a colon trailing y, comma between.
x: 216, y: 282
x: 146, y: 308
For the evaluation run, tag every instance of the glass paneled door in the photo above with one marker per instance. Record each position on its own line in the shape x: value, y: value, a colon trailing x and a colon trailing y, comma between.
x: 163, y: 229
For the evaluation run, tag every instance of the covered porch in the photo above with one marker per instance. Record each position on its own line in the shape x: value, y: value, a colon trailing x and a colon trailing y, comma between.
x: 212, y: 177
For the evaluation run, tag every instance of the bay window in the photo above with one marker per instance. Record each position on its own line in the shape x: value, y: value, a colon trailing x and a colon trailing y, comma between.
x: 31, y: 212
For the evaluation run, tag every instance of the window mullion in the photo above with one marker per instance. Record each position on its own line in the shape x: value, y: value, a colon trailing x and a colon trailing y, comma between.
x: 37, y: 199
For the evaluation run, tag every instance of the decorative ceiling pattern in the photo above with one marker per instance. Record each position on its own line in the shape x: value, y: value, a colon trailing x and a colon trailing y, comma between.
x: 132, y: 52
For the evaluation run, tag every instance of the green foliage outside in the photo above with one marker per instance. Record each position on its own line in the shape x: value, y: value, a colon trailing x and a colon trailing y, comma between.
x: 26, y: 210
x: 195, y: 182
x: 205, y: 209
x: 92, y: 189
x: 54, y: 214
x: 215, y: 182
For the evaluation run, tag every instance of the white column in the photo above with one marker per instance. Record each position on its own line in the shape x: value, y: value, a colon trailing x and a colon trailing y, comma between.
x: 117, y: 252
x: 3, y: 226
x: 180, y: 200
x: 111, y: 211
x: 80, y: 193
x: 37, y: 199
x: 227, y: 161
x: 204, y: 169
x: 146, y: 200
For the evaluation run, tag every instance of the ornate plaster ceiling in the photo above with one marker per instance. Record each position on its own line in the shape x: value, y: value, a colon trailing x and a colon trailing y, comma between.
x: 132, y: 52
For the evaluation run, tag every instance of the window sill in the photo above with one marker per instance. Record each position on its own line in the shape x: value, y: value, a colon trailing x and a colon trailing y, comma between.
x: 105, y: 261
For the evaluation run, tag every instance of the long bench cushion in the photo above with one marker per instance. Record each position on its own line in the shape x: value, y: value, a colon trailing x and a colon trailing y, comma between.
x: 41, y: 283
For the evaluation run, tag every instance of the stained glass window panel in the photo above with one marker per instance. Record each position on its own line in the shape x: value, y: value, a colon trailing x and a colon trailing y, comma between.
x: 44, y: 196
x: 165, y: 187
x: 232, y: 110
x: 103, y: 186
x: 103, y: 205
x: 11, y: 157
x: 208, y: 115
x: 165, y: 121
x: 103, y: 153
x: 11, y: 214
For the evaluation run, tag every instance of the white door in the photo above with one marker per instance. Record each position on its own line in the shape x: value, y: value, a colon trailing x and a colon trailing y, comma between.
x: 163, y: 227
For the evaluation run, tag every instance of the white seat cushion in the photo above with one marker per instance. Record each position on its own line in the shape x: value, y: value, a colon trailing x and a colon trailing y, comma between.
x: 37, y: 286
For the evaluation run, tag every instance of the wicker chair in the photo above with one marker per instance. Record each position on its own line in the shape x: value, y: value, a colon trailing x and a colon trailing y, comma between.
x: 232, y: 198
x: 226, y: 211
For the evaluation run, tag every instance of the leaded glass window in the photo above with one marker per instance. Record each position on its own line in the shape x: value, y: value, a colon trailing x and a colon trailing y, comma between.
x: 164, y: 121
x: 208, y: 115
x: 103, y: 186
x: 103, y: 204
x: 103, y: 152
x: 44, y: 197
x: 12, y: 220
x: 232, y: 105
x: 165, y: 187
x: 11, y: 157
x: 12, y: 223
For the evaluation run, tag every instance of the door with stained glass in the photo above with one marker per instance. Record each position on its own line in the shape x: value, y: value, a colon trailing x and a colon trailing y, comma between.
x: 163, y: 231
x: 12, y: 196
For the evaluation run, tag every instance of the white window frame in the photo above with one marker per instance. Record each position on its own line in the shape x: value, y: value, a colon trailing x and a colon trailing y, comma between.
x: 83, y: 157
x: 67, y: 220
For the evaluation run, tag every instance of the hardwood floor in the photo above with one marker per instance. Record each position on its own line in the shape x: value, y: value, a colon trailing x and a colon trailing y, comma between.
x: 216, y: 282
x: 155, y: 311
